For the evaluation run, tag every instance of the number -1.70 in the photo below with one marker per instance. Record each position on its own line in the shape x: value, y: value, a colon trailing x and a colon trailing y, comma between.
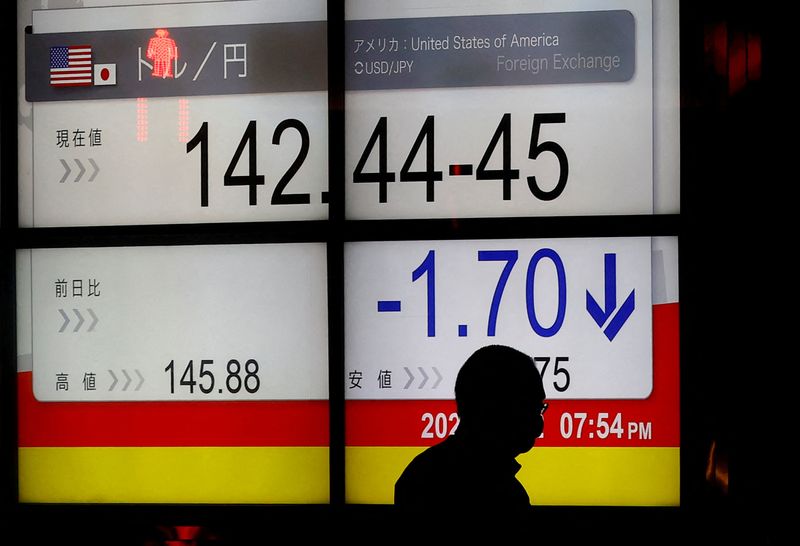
x: 428, y: 269
x: 206, y: 381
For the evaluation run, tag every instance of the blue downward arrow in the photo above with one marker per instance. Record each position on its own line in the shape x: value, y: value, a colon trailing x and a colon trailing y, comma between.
x: 600, y: 315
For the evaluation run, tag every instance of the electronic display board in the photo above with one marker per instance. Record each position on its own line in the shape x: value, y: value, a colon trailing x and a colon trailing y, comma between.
x: 141, y: 368
x: 173, y: 374
x: 175, y: 113
x: 178, y: 373
x: 598, y: 316
x: 514, y: 110
x: 499, y: 109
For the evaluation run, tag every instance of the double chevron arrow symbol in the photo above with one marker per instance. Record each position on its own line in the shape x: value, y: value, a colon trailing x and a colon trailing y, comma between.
x: 425, y: 377
x: 81, y: 170
x: 128, y: 380
x: 81, y: 320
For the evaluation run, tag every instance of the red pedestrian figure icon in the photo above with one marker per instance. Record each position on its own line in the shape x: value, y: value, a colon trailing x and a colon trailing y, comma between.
x: 163, y: 51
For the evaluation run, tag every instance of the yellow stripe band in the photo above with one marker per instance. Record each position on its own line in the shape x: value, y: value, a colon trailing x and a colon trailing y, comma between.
x: 241, y: 475
x: 586, y: 476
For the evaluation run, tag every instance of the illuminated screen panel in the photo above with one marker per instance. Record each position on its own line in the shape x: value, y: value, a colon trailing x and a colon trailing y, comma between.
x: 191, y: 374
x: 175, y: 113
x: 598, y: 316
x: 511, y: 109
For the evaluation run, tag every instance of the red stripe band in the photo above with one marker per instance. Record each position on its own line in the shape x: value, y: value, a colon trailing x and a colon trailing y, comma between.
x: 169, y: 424
x: 652, y: 422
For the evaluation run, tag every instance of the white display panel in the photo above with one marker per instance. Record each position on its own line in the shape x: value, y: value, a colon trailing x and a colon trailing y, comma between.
x: 125, y: 323
x: 241, y: 104
x: 612, y: 428
x: 158, y: 181
x: 414, y: 311
x: 441, y: 103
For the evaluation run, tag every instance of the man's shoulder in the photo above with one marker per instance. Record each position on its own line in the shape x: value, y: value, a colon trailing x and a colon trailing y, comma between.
x: 431, y: 474
x: 434, y: 458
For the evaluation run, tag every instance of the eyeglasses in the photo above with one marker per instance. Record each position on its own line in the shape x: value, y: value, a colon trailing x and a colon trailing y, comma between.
x: 544, y: 408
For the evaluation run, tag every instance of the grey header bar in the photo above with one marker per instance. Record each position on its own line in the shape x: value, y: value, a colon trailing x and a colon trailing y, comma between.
x: 490, y: 50
x: 215, y: 60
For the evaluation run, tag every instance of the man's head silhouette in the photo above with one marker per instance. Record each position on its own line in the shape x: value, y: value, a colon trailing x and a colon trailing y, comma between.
x: 500, y: 398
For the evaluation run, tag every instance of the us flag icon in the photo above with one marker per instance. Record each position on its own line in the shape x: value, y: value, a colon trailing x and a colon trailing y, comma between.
x: 70, y: 66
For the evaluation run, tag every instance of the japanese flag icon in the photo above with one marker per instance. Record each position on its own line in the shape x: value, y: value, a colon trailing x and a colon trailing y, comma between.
x: 105, y: 74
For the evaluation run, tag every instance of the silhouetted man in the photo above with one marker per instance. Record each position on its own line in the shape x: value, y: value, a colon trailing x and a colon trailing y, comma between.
x: 500, y: 400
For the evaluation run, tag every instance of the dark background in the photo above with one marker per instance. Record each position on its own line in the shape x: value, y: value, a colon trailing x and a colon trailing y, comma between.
x: 736, y: 126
